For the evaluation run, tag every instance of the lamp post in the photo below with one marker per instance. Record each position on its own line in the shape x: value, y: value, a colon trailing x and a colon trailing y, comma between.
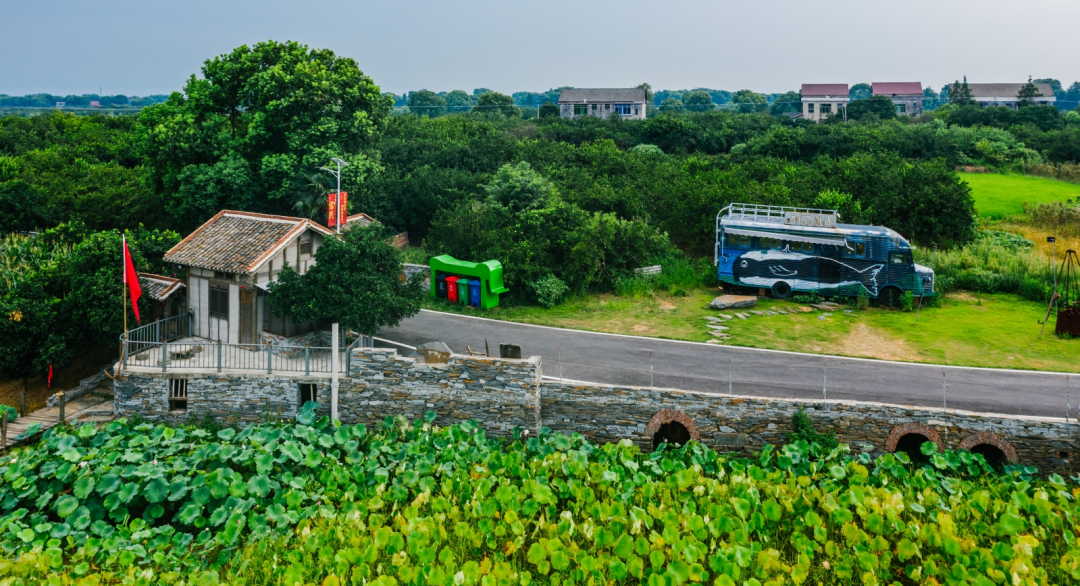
x: 337, y: 207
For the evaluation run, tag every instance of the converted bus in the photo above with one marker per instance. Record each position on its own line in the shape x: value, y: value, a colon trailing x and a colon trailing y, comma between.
x: 788, y: 250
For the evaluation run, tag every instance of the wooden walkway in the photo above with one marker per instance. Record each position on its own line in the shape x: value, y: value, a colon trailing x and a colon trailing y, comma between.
x: 96, y: 405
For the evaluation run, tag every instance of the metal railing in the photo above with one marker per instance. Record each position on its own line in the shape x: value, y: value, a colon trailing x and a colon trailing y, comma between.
x: 166, y: 330
x: 777, y: 214
x: 140, y: 350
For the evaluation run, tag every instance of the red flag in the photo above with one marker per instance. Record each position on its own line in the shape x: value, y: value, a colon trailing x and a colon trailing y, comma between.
x: 334, y: 212
x: 50, y: 376
x: 131, y: 279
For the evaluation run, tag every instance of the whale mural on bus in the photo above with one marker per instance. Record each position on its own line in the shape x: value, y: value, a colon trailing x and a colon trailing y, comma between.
x: 805, y: 272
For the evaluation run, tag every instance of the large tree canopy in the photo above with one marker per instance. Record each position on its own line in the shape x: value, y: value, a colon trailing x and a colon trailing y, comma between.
x: 257, y: 122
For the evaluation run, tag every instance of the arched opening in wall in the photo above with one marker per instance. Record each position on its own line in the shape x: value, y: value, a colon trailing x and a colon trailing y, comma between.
x: 673, y: 433
x: 993, y: 455
x: 911, y: 444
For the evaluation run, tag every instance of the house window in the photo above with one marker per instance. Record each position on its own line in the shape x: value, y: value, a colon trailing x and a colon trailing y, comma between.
x: 226, y: 276
x: 581, y: 109
x: 307, y: 393
x: 826, y: 108
x: 622, y: 109
x: 177, y: 394
x: 809, y: 108
x: 636, y: 111
x: 219, y: 302
x: 607, y: 106
x: 901, y: 108
x: 594, y: 107
x: 305, y: 247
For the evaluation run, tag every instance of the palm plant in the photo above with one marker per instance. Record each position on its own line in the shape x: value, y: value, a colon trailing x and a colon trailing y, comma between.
x: 309, y: 197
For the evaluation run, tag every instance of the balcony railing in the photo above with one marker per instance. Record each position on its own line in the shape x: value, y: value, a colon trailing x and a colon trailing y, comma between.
x: 167, y: 345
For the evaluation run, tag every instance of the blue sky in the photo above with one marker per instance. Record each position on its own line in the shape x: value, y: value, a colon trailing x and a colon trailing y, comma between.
x: 139, y: 48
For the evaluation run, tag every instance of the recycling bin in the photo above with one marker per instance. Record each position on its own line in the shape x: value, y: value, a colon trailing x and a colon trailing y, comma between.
x: 452, y: 289
x: 474, y: 292
x: 463, y: 290
x: 440, y: 286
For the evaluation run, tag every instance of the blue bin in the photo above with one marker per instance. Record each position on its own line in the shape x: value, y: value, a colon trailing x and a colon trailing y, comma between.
x: 474, y: 292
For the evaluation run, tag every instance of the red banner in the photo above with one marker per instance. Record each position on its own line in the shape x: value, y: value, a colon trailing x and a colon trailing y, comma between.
x: 332, y: 218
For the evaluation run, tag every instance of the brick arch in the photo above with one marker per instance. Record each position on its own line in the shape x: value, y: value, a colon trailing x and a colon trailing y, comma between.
x: 909, y: 428
x: 669, y: 415
x: 994, y: 440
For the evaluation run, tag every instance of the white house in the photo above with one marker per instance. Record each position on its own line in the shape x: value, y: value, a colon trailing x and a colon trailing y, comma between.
x: 1008, y: 94
x: 821, y: 100
x: 907, y: 96
x: 602, y: 103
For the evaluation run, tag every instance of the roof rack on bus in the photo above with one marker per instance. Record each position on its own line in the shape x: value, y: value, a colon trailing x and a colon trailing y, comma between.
x: 777, y: 214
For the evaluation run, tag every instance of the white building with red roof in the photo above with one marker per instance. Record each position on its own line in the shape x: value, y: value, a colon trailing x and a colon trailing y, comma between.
x: 907, y: 96
x: 821, y: 100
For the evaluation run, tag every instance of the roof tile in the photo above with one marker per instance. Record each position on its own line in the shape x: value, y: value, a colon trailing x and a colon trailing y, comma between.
x: 236, y: 242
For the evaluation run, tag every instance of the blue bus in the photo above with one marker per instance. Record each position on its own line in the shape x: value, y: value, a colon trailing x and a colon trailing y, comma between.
x: 788, y: 250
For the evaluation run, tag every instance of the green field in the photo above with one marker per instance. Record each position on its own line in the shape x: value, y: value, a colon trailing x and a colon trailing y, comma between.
x: 995, y: 330
x: 997, y: 196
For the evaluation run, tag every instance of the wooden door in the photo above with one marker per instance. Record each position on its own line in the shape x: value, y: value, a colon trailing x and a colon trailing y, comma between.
x: 247, y: 316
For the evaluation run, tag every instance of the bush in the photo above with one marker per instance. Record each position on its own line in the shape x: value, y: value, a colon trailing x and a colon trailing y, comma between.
x: 803, y: 430
x: 549, y: 290
x: 986, y: 266
x: 678, y: 292
x: 862, y: 301
x: 807, y: 299
x: 1035, y: 290
x: 1005, y: 239
x: 907, y: 301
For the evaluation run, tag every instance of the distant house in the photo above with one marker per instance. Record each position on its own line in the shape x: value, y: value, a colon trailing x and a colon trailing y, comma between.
x: 1007, y: 94
x: 602, y: 103
x: 907, y: 96
x: 821, y: 100
x: 231, y: 260
x: 95, y: 104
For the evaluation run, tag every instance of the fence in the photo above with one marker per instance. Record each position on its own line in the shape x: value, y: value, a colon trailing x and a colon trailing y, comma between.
x: 152, y: 346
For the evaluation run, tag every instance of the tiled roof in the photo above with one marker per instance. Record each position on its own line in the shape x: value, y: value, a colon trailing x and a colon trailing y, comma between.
x: 1006, y: 90
x: 603, y: 95
x: 238, y: 242
x: 825, y: 89
x: 360, y: 219
x: 157, y: 287
x: 897, y: 88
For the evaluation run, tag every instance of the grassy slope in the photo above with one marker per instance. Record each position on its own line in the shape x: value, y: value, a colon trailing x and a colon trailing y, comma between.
x: 1000, y: 331
x: 997, y: 196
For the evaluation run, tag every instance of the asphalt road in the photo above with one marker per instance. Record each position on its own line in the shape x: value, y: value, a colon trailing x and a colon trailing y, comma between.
x: 625, y: 360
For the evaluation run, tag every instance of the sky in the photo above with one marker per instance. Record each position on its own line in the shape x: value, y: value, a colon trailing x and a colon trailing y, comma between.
x: 140, y: 48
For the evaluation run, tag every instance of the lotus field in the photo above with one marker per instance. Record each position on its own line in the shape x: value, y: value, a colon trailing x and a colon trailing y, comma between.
x: 312, y: 502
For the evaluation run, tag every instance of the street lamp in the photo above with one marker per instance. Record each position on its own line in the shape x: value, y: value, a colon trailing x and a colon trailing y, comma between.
x: 337, y: 207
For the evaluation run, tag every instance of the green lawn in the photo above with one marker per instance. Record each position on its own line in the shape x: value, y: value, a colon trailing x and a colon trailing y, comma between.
x: 997, y: 196
x: 999, y: 330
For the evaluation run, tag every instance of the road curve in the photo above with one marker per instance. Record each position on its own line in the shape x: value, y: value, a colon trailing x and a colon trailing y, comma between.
x: 625, y: 360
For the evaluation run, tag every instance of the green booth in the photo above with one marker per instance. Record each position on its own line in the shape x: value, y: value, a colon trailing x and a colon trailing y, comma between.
x: 489, y: 273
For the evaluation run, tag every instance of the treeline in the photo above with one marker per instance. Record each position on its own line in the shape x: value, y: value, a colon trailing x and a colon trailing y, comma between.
x: 80, y: 101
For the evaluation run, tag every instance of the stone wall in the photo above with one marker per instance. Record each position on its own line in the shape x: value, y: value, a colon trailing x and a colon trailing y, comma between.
x: 503, y: 394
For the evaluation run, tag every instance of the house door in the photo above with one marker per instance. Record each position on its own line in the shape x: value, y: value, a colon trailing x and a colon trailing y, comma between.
x: 247, y: 316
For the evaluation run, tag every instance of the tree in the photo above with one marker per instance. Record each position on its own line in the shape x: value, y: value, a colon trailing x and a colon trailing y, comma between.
x: 23, y: 207
x: 1028, y: 93
x: 750, y: 101
x: 881, y: 107
x: 519, y: 187
x: 960, y: 93
x: 356, y: 281
x: 671, y: 105
x: 458, y: 101
x: 1055, y: 86
x: 496, y: 103
x: 698, y: 101
x: 648, y: 92
x: 426, y: 103
x: 860, y: 91
x: 786, y: 102
x: 257, y: 120
x: 1073, y: 93
x: 549, y: 110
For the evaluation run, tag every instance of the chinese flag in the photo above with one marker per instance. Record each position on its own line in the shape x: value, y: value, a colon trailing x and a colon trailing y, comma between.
x: 131, y: 279
x: 50, y: 376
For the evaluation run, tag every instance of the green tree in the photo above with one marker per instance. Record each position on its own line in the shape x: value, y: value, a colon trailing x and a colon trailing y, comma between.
x: 519, y: 187
x: 23, y: 207
x: 1028, y: 93
x: 786, y: 102
x: 260, y: 117
x: 698, y: 101
x: 549, y: 110
x: 355, y: 281
x: 879, y: 107
x: 458, y: 101
x: 860, y: 91
x: 648, y: 92
x: 426, y: 103
x: 1055, y: 86
x: 960, y: 93
x: 496, y: 103
x: 749, y: 101
x: 671, y: 105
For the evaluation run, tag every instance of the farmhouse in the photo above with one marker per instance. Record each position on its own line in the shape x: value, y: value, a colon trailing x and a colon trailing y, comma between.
x: 907, y: 96
x: 821, y: 100
x: 602, y: 103
x: 231, y: 260
x: 1007, y: 94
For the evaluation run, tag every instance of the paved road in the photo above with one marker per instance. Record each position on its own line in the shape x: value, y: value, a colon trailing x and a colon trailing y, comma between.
x: 614, y: 359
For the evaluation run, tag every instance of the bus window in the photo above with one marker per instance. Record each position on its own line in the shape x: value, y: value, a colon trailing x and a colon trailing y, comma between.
x: 769, y: 243
x: 898, y: 258
x: 737, y: 240
x: 856, y: 249
x: 807, y: 247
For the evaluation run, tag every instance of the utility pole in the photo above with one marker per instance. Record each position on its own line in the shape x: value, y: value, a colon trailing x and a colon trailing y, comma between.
x: 337, y: 206
x: 335, y: 360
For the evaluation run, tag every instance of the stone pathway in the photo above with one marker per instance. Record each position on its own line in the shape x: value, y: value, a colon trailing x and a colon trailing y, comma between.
x: 95, y: 406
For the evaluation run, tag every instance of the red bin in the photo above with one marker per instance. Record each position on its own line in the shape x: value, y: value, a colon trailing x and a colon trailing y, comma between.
x: 452, y: 289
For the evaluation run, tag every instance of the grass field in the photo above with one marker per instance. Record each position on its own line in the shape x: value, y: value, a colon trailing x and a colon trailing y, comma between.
x: 997, y: 330
x: 997, y: 196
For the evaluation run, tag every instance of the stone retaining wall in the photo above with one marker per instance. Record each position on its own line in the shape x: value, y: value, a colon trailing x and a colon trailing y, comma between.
x: 506, y: 393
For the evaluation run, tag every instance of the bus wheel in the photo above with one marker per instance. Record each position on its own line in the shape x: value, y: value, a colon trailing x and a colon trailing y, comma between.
x: 890, y: 297
x: 781, y: 290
